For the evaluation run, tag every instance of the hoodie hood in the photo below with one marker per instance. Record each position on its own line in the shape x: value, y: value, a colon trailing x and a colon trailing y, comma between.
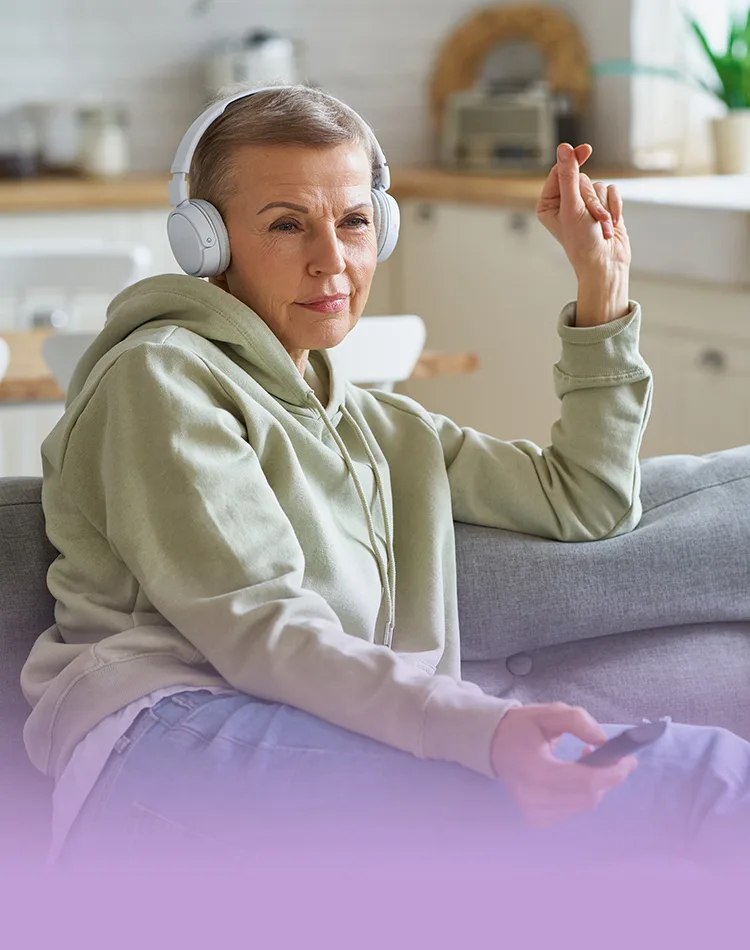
x: 204, y: 309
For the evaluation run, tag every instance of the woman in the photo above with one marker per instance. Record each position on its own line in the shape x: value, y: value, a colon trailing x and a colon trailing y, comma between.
x: 256, y: 636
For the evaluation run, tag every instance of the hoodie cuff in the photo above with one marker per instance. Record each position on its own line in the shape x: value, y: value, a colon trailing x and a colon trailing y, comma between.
x: 605, y: 352
x: 460, y: 723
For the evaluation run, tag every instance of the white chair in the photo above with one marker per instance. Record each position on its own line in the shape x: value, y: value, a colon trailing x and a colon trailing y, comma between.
x: 60, y: 272
x: 378, y: 352
x: 62, y: 351
x: 381, y: 351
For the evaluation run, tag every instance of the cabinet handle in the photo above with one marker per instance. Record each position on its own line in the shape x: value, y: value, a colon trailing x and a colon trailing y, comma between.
x: 425, y: 213
x: 713, y: 360
x: 519, y: 222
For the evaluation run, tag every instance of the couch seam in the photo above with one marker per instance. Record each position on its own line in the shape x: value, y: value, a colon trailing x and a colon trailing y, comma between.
x: 694, y: 491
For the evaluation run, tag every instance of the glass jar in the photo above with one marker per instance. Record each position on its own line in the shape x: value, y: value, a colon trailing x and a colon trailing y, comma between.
x: 19, y: 145
x: 104, y: 151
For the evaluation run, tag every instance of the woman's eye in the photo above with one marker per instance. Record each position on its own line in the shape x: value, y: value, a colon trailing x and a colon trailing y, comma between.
x: 357, y: 221
x: 284, y: 226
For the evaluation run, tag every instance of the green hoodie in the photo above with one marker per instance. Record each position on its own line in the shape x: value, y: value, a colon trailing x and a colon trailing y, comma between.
x: 218, y: 524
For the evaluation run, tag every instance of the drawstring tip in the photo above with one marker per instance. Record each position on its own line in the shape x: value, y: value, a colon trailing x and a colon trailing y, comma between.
x: 388, y: 639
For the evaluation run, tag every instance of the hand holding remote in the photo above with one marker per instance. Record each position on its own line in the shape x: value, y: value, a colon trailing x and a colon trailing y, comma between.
x: 547, y: 789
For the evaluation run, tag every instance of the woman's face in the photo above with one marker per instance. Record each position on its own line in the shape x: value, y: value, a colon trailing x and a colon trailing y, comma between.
x: 303, y: 244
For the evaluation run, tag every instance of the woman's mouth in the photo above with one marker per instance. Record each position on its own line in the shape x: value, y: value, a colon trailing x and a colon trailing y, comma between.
x: 333, y: 304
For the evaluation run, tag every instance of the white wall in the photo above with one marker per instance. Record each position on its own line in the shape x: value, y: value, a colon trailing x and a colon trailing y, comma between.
x: 374, y: 53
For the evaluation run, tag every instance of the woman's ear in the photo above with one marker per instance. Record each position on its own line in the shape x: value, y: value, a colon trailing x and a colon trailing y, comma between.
x: 220, y: 280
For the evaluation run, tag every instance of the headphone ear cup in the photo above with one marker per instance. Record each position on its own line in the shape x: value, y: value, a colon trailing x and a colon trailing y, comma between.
x: 198, y: 238
x: 387, y: 222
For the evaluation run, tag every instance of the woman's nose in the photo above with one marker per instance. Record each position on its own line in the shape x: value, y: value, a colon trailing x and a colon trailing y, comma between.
x: 326, y: 254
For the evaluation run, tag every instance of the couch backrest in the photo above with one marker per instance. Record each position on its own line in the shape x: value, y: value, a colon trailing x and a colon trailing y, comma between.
x: 26, y: 609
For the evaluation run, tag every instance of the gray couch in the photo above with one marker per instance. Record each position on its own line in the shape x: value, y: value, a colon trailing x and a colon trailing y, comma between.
x: 653, y: 623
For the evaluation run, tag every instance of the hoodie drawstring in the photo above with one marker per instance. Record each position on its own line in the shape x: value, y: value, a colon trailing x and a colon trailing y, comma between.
x: 387, y: 572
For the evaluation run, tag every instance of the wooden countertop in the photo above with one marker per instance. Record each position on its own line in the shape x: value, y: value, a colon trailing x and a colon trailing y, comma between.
x: 28, y: 380
x: 150, y: 191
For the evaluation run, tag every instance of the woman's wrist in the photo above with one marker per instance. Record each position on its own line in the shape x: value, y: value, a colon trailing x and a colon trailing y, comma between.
x: 603, y: 296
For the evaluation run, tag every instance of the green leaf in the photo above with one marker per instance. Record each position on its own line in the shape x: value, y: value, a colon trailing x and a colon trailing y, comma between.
x: 733, y: 66
x: 701, y: 37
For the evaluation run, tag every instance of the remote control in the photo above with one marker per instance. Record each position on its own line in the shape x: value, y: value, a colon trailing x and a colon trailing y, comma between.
x: 626, y: 743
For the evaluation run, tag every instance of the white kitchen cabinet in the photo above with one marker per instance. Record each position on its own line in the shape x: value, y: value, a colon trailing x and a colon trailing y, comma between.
x: 383, y: 300
x: 490, y: 281
x: 701, y: 394
x: 696, y: 339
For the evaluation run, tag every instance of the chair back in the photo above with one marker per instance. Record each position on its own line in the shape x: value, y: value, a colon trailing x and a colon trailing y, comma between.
x: 381, y: 351
x: 378, y: 352
x: 62, y: 351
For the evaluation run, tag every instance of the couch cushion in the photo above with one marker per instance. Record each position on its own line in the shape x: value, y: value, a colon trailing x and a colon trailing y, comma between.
x: 26, y: 609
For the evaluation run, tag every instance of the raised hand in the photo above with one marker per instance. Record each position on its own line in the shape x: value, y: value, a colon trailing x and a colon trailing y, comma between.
x: 584, y: 216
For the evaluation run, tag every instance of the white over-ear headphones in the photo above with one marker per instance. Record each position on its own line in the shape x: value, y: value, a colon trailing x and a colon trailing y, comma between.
x: 197, y: 233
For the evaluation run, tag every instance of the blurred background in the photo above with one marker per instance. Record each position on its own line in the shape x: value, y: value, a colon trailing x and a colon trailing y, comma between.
x: 469, y: 102
x: 153, y: 60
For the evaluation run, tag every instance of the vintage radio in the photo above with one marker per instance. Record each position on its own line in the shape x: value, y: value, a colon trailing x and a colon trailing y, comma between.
x: 504, y: 132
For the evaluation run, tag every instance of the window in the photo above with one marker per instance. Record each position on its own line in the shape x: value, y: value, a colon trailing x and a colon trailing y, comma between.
x: 670, y: 120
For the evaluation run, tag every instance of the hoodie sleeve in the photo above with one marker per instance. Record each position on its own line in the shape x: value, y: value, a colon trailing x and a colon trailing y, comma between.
x: 158, y: 462
x: 585, y: 485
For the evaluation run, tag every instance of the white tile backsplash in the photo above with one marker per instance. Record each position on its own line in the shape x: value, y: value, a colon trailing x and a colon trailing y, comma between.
x: 376, y: 54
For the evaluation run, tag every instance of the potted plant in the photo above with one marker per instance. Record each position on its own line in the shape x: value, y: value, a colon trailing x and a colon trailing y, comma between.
x: 732, y: 68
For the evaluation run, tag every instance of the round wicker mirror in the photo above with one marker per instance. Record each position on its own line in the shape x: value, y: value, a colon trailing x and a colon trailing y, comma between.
x: 460, y: 59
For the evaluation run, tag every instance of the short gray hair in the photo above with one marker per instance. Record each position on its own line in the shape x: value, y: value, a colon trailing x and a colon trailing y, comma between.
x: 290, y: 115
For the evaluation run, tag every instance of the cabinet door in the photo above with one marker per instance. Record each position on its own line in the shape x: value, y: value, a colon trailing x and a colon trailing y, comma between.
x: 493, y: 282
x: 701, y: 389
x: 382, y: 301
x: 22, y: 431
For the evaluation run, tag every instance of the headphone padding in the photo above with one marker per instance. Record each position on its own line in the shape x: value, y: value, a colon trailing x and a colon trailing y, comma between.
x: 387, y: 222
x: 198, y: 238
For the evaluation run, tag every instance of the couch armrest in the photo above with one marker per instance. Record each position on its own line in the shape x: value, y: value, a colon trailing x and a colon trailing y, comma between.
x: 687, y: 562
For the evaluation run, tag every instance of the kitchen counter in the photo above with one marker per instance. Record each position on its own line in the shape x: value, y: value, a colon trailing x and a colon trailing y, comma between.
x: 150, y: 191
x: 692, y: 228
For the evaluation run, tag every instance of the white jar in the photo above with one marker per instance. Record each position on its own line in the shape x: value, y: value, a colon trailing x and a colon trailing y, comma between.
x: 104, y: 151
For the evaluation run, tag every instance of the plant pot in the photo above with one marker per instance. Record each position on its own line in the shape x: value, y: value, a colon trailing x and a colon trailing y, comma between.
x: 732, y: 143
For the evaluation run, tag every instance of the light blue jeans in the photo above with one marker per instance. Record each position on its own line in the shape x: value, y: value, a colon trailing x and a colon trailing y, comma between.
x: 232, y: 780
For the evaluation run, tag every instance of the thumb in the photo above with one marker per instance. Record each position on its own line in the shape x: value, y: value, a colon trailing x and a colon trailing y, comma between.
x: 559, y: 718
x: 570, y: 184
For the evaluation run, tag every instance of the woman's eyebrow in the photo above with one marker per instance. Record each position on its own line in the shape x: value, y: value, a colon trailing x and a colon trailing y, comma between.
x: 303, y: 210
x: 284, y: 204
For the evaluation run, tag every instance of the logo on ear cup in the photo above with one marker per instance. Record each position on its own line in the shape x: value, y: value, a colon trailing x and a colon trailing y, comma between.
x: 198, y: 238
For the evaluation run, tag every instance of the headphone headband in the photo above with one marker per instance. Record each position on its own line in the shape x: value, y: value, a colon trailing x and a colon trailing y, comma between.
x: 178, y: 190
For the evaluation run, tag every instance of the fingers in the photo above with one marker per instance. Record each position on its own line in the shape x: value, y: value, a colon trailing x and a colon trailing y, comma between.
x: 556, y: 719
x: 614, y: 202
x: 550, y: 195
x: 595, y: 198
x: 583, y: 154
x: 547, y: 806
x: 569, y: 177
